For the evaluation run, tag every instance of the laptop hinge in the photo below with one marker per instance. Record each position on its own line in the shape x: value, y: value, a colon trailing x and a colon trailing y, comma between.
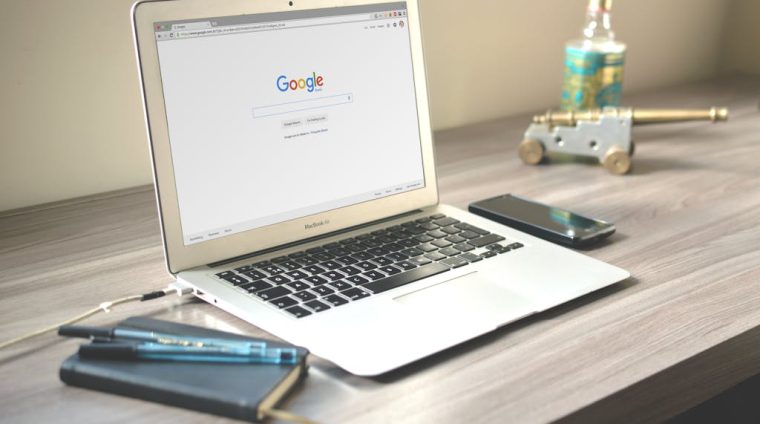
x: 311, y: 239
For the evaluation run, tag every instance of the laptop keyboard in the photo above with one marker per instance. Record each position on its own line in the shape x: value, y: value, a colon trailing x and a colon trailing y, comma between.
x: 317, y: 279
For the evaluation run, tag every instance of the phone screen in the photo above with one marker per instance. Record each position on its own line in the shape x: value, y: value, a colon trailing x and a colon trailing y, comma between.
x: 552, y: 219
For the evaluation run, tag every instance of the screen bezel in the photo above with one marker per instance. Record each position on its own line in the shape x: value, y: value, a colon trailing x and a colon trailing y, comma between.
x: 179, y: 256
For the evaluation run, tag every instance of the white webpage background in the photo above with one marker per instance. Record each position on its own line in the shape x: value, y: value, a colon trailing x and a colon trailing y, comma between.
x: 232, y: 168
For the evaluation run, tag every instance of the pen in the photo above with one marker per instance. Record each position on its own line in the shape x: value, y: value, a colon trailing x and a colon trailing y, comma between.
x: 159, y: 338
x: 174, y: 353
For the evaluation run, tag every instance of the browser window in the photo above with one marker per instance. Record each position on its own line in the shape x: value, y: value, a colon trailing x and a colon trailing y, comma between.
x: 277, y: 116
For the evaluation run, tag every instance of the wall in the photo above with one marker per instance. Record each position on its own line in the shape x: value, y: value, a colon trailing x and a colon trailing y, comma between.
x: 742, y: 38
x: 70, y: 115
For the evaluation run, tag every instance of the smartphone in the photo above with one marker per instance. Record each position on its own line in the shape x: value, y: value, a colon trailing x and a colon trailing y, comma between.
x: 547, y: 222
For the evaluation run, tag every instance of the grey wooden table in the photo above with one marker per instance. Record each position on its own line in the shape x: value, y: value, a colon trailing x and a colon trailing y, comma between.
x: 685, y: 327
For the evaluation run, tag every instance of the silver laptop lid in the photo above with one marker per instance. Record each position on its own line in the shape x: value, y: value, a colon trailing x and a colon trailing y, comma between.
x: 269, y: 126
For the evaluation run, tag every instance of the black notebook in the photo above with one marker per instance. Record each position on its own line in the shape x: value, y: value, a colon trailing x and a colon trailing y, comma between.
x: 242, y: 391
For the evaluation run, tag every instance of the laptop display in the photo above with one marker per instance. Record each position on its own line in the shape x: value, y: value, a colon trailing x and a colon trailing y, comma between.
x: 277, y: 116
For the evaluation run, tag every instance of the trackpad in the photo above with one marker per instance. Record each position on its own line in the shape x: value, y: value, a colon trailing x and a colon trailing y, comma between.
x: 469, y: 296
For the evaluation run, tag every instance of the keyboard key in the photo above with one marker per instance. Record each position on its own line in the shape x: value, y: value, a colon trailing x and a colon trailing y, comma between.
x: 470, y: 257
x: 340, y: 285
x: 355, y: 293
x: 364, y: 237
x: 456, y: 239
x: 224, y: 274
x: 412, y: 252
x: 464, y: 247
x: 371, y: 244
x: 393, y: 247
x: 357, y: 247
x: 450, y: 230
x: 449, y: 251
x: 284, y: 302
x: 378, y: 251
x: 427, y: 247
x: 390, y: 270
x: 406, y: 266
x: 416, y: 230
x: 373, y: 275
x: 305, y: 296
x: 243, y: 268
x: 516, y: 245
x: 496, y: 248
x: 488, y: 254
x: 406, y: 277
x: 330, y: 265
x: 290, y: 265
x: 297, y: 286
x: 313, y: 269
x: 297, y: 275
x: 408, y: 242
x: 346, y: 260
x: 445, y: 222
x: 350, y: 270
x: 469, y: 234
x: 419, y: 260
x: 428, y: 226
x: 356, y: 280
x: 332, y: 245
x: 437, y: 234
x: 279, y: 259
x: 349, y: 240
x: 397, y: 256
x: 306, y: 261
x: 363, y: 256
x: 382, y: 261
x: 322, y: 290
x: 339, y: 251
x: 273, y: 269
x: 435, y: 256
x: 273, y: 293
x: 422, y: 220
x: 255, y: 286
x: 333, y: 275
x: 383, y: 239
x: 261, y: 264
x: 277, y: 279
x: 323, y: 256
x: 424, y: 238
x: 316, y: 306
x: 236, y: 279
x: 297, y: 255
x: 315, y: 250
x: 366, y: 266
x: 254, y: 275
x: 485, y: 240
x: 437, y: 216
x: 441, y: 243
x: 335, y: 300
x: 455, y: 262
x: 298, y: 311
x: 315, y: 280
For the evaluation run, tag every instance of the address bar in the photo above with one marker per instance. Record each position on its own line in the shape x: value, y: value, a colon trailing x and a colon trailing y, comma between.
x: 268, y: 26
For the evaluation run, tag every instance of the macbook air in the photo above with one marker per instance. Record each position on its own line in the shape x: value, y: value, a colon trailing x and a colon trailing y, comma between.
x: 294, y: 169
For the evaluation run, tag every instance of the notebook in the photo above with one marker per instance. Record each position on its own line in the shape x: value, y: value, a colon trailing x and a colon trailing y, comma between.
x: 241, y: 391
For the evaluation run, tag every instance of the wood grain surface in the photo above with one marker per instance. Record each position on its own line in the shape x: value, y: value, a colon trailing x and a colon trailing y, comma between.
x: 685, y: 326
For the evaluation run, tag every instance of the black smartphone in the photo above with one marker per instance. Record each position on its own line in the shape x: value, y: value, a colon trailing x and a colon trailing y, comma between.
x: 550, y: 223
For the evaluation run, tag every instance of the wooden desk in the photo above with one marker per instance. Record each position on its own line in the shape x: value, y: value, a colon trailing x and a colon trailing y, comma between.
x: 684, y: 328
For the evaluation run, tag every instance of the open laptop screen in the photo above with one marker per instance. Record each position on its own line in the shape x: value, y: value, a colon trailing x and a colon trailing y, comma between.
x: 277, y: 116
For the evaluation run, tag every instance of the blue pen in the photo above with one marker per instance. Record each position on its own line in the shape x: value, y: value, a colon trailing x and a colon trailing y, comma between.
x: 159, y: 338
x: 174, y: 353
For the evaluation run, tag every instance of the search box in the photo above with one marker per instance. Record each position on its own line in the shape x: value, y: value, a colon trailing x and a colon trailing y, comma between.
x: 301, y: 105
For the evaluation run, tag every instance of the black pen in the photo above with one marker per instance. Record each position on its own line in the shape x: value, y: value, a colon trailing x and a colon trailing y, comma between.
x: 174, y: 353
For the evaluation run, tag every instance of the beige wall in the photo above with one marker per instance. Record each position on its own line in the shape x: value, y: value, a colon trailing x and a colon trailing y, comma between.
x: 741, y: 47
x: 71, y: 121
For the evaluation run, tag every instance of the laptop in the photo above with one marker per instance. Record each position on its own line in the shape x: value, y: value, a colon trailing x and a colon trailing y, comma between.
x: 294, y: 169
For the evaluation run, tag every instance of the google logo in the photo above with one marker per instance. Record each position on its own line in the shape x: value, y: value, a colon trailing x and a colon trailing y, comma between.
x: 309, y: 84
